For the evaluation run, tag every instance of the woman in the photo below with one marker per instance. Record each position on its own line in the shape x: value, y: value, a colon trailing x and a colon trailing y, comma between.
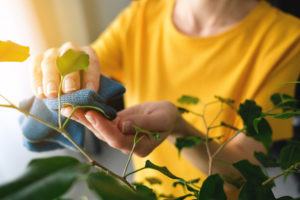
x: 160, y: 50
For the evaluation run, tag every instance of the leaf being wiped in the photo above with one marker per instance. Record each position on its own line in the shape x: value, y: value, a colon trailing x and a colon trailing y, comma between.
x: 185, y: 99
x: 12, y: 52
x: 72, y: 61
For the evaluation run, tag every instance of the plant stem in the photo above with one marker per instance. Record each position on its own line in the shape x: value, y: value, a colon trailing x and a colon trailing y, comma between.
x: 68, y: 119
x: 59, y: 101
x: 134, y: 171
x: 295, y: 166
x: 135, y: 142
x: 66, y: 134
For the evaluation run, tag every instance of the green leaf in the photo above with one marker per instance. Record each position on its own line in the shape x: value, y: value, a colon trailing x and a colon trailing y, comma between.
x: 185, y: 99
x: 140, y: 130
x: 108, y: 188
x: 285, y: 115
x: 284, y: 101
x: 237, y: 181
x: 153, y: 181
x: 266, y: 160
x: 145, y: 191
x: 251, y: 191
x: 72, y: 61
x: 48, y: 178
x: 252, y: 173
x: 212, y: 188
x: 290, y: 154
x: 183, y: 197
x: 285, y: 198
x: 249, y: 111
x: 12, y: 52
x: 264, y: 134
x: 87, y: 107
x: 188, y: 142
x: 227, y: 101
x: 182, y: 110
x: 163, y: 170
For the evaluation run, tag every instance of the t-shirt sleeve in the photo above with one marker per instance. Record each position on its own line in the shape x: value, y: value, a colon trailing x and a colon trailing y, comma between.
x: 286, y: 67
x: 108, y: 45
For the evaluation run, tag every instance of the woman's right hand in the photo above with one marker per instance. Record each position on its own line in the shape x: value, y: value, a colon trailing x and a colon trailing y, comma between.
x: 45, y: 77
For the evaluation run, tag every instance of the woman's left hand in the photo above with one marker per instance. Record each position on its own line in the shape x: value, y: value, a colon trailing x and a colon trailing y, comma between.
x: 159, y: 117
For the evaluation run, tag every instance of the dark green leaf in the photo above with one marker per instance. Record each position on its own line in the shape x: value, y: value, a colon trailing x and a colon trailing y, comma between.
x: 251, y: 191
x: 140, y: 130
x: 188, y: 142
x: 252, y: 173
x: 183, y: 197
x: 185, y: 99
x: 285, y: 198
x: 48, y: 178
x: 256, y: 122
x: 182, y: 110
x: 229, y: 126
x: 108, y: 188
x: 285, y: 115
x: 145, y: 191
x: 237, y: 181
x: 163, y: 170
x: 72, y: 61
x: 212, y: 188
x: 266, y: 160
x: 249, y: 111
x: 290, y: 154
x: 227, y: 101
x: 153, y: 181
x: 284, y: 101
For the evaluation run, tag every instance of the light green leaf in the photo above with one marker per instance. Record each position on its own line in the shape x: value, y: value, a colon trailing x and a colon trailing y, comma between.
x: 163, y: 170
x: 185, y: 99
x: 285, y: 115
x: 153, y: 181
x: 72, y: 61
x: 48, y: 178
x: 284, y: 101
x: 12, y: 52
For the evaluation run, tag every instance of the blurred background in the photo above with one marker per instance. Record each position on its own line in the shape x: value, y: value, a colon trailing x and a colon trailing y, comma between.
x: 41, y: 24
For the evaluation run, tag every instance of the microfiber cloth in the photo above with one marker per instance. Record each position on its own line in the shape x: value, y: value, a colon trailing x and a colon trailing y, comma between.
x: 39, y: 137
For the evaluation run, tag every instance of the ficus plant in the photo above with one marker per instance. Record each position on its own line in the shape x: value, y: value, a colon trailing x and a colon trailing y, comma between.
x: 50, y: 178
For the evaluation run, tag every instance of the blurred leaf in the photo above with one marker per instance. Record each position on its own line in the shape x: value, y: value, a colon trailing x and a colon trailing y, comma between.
x: 237, y: 181
x: 72, y: 61
x: 284, y: 101
x: 183, y: 197
x: 87, y: 107
x: 185, y: 99
x: 153, y: 181
x: 290, y: 154
x: 249, y: 111
x: 108, y: 188
x: 212, y: 188
x: 266, y: 160
x: 145, y: 191
x: 140, y: 130
x: 47, y: 177
x: 189, y: 142
x: 285, y: 115
x: 251, y: 191
x: 252, y: 173
x: 12, y: 52
x: 229, y: 126
x: 227, y: 101
x: 182, y: 110
x: 285, y: 198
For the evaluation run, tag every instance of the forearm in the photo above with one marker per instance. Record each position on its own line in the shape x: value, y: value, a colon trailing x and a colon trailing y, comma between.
x: 241, y: 147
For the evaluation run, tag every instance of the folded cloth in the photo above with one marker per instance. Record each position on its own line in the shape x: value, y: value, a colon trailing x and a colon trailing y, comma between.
x: 39, y: 137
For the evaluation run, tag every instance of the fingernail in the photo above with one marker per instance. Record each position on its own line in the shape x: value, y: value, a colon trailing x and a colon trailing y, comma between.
x: 127, y: 127
x: 90, y: 86
x: 91, y: 120
x: 51, y: 88
x: 70, y: 85
x: 40, y: 91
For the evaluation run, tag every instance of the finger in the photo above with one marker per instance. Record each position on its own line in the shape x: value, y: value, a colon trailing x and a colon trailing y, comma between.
x: 91, y: 77
x: 71, y: 81
x: 51, y: 77
x: 37, y: 76
x: 80, y: 118
x: 112, y: 135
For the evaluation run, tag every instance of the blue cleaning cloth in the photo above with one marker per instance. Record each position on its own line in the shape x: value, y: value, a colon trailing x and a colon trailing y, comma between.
x: 39, y: 137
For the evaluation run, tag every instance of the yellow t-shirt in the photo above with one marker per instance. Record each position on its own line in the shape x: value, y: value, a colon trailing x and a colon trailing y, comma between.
x: 156, y: 62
